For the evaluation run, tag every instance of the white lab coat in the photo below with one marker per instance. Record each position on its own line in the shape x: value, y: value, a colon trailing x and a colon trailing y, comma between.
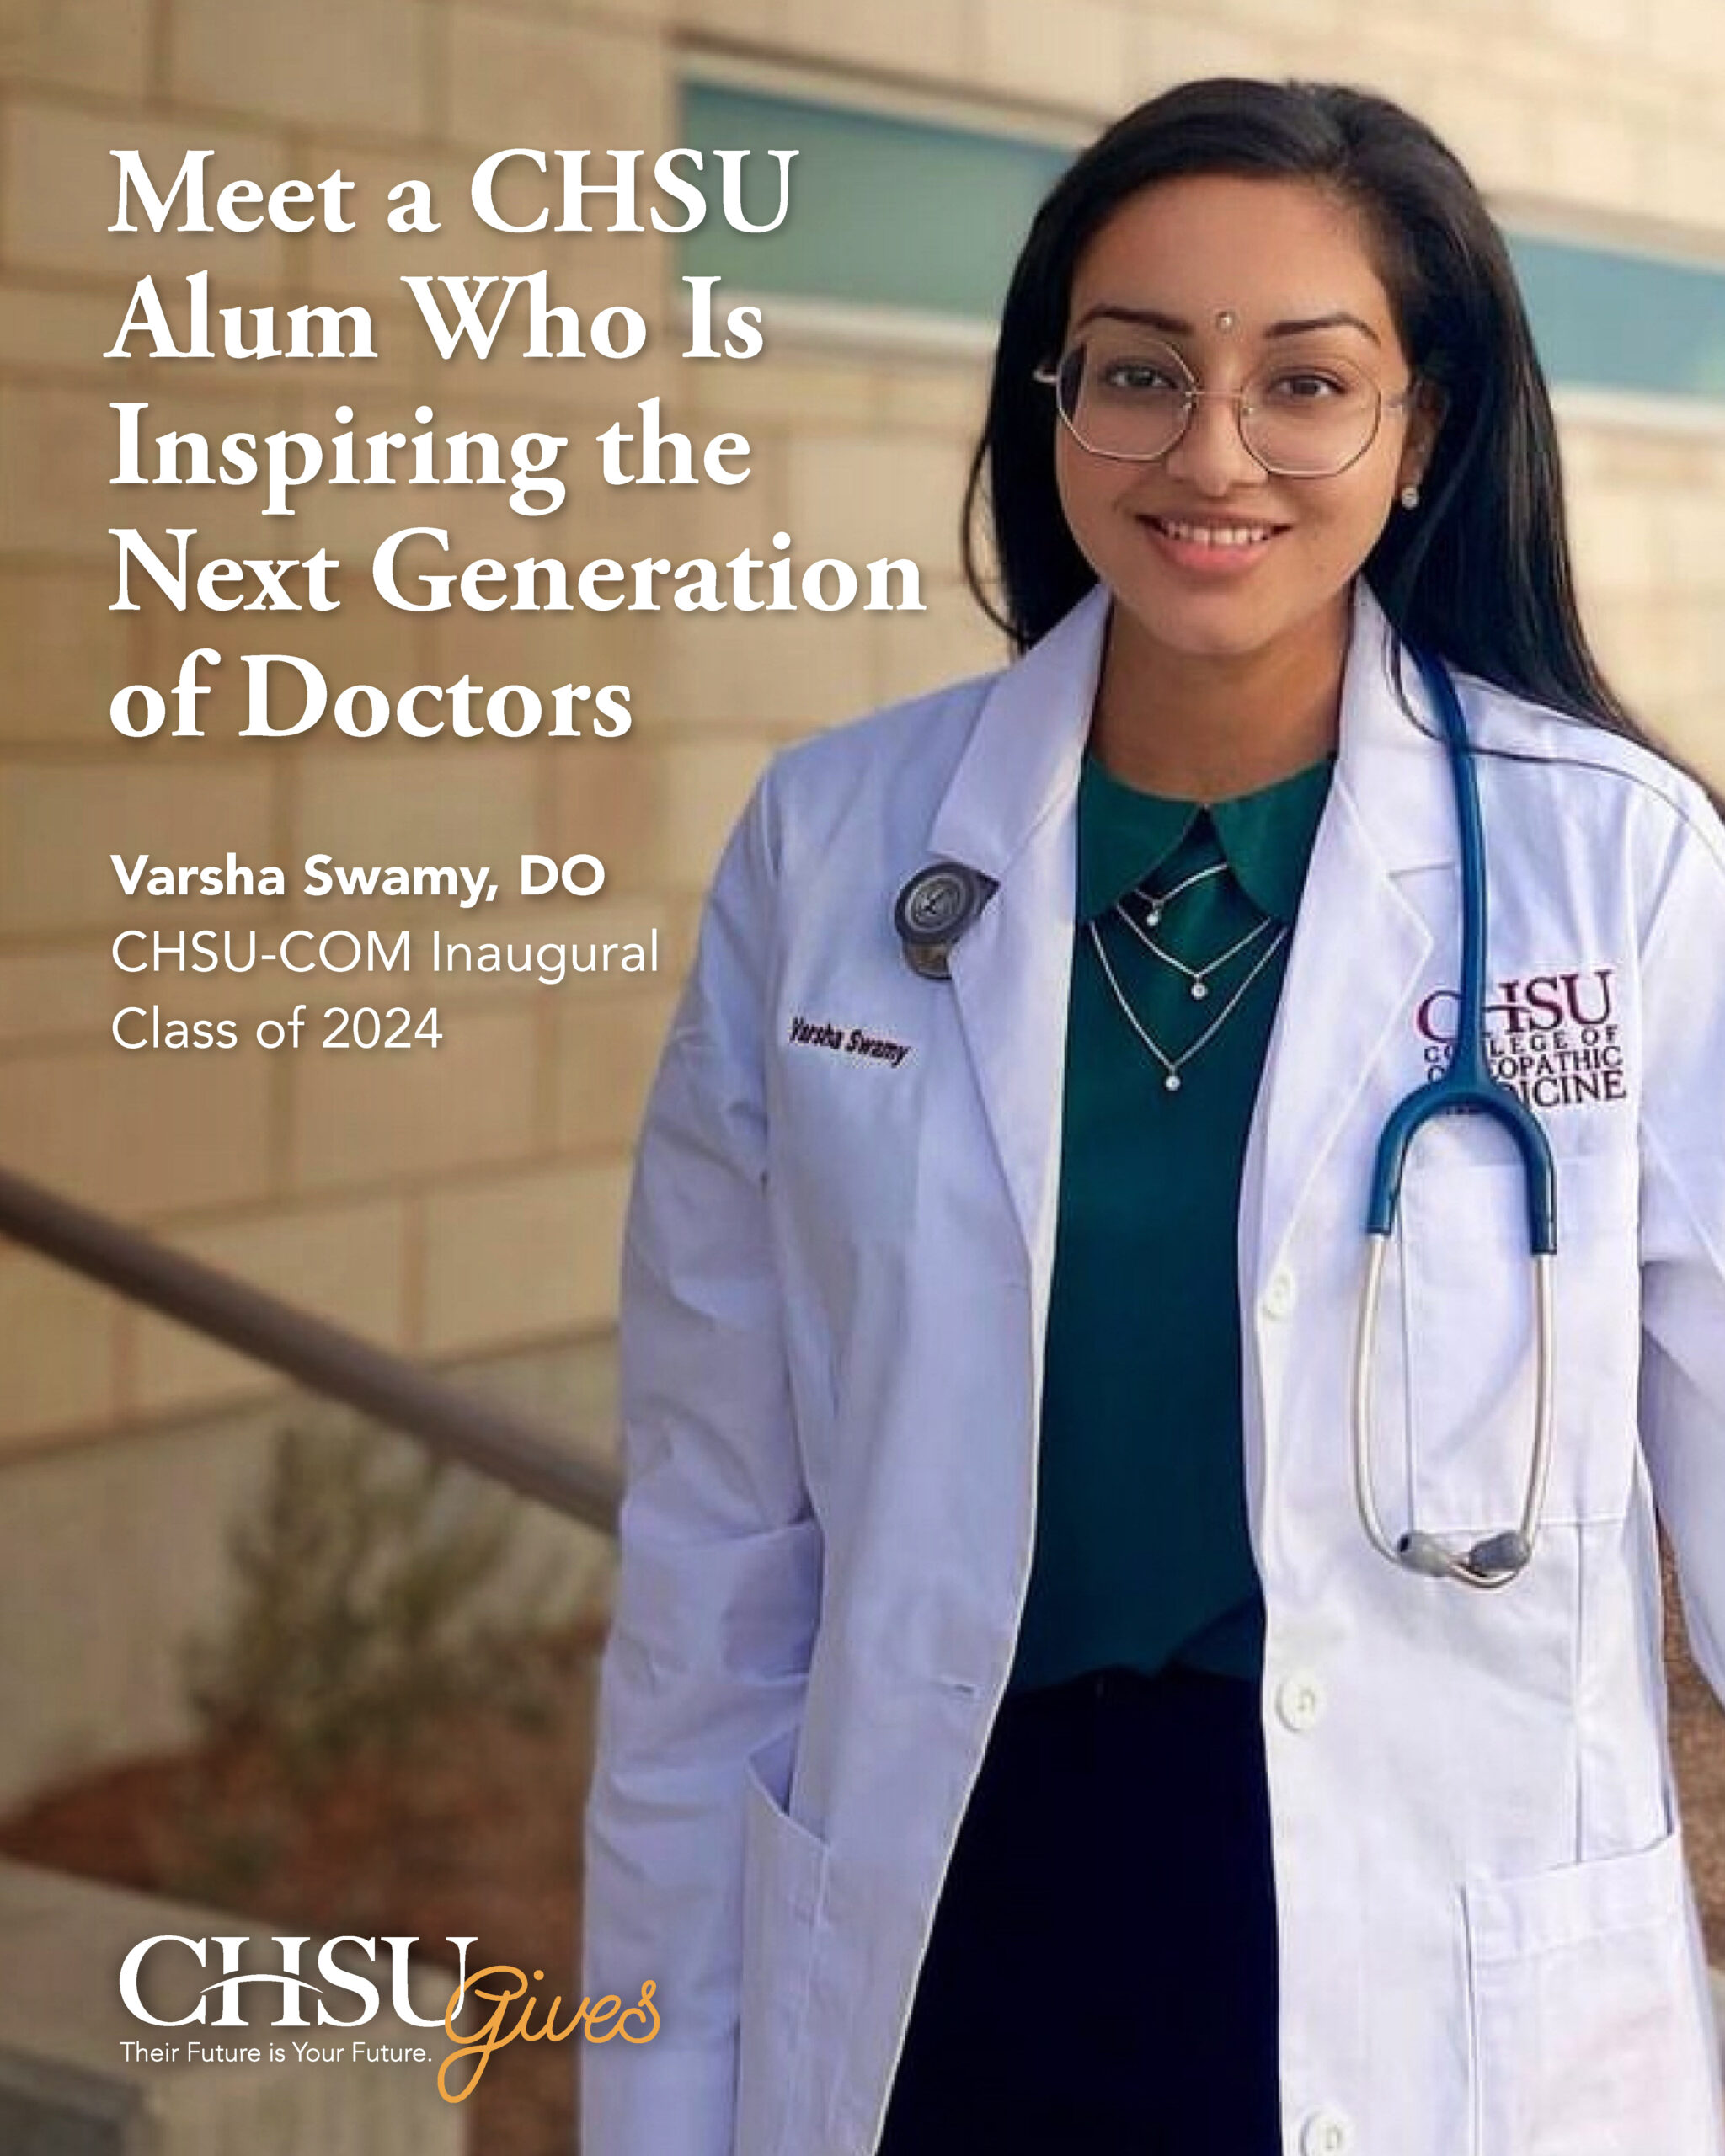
x: 837, y: 1280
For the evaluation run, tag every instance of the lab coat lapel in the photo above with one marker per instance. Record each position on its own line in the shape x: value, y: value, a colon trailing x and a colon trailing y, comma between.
x: 1360, y: 945
x: 1010, y: 811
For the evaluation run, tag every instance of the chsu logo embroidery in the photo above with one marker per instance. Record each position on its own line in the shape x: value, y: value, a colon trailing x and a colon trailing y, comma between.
x: 809, y: 1032
x: 1553, y: 1038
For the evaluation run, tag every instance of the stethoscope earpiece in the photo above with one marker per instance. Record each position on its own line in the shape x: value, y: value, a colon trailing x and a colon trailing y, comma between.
x: 1493, y: 1562
x: 933, y: 911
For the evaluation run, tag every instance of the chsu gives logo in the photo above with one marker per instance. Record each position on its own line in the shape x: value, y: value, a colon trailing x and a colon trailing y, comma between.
x: 600, y: 2019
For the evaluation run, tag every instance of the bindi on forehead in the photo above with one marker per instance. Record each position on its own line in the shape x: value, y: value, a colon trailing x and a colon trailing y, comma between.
x: 1226, y: 319
x: 1237, y: 240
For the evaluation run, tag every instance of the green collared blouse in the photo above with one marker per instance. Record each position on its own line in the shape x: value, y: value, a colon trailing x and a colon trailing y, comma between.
x: 1142, y: 1555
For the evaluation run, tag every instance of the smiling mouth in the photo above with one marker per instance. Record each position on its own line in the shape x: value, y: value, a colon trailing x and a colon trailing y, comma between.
x: 1213, y: 534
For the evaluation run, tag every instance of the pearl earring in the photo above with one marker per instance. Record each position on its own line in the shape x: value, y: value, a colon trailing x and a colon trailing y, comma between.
x: 1410, y: 496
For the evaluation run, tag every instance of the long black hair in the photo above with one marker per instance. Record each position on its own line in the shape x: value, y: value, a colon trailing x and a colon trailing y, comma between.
x: 1481, y: 573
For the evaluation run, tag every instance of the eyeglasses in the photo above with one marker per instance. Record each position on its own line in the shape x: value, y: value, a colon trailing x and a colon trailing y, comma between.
x: 1128, y: 395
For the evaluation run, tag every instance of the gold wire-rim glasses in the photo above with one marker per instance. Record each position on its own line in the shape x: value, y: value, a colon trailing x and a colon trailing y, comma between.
x: 1054, y: 375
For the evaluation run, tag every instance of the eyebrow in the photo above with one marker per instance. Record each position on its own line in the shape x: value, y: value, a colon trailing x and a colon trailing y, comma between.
x: 1172, y: 324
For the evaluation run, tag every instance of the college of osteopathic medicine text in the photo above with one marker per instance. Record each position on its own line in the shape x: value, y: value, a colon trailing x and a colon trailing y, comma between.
x: 419, y: 569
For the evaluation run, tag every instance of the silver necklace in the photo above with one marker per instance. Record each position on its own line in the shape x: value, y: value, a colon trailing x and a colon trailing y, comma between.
x: 1170, y: 1063
x: 1198, y: 976
x: 1154, y: 903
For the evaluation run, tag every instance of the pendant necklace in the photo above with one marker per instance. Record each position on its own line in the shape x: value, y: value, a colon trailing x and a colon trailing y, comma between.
x: 1198, y: 976
x: 1154, y: 903
x: 1170, y: 1065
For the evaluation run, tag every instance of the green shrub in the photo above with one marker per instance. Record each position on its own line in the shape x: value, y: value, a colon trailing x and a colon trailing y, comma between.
x: 370, y: 1600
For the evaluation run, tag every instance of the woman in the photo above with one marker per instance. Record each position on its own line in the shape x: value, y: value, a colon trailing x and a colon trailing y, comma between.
x: 1010, y: 1737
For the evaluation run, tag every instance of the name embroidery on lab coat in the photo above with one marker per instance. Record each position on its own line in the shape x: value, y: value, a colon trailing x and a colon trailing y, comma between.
x: 808, y: 1033
x: 1553, y: 1038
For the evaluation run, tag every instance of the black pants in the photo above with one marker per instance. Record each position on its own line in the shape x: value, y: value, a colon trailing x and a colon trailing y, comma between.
x: 1101, y: 1976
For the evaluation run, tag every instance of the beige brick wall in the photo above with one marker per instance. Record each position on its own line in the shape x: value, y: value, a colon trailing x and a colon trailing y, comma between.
x: 469, y: 1201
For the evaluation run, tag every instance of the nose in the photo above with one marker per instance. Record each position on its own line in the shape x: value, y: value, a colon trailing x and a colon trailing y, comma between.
x: 1210, y: 456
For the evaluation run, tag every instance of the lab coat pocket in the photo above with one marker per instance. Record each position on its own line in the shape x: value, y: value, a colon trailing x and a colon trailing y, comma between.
x: 1588, y: 2036
x: 1468, y: 1313
x: 784, y: 1888
x: 1469, y: 1318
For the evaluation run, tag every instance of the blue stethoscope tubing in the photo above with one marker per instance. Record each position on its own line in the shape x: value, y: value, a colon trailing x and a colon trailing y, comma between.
x: 1466, y: 1087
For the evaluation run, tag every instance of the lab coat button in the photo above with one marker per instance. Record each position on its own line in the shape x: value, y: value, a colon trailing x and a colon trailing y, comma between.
x: 1300, y: 1701
x: 1327, y: 2132
x: 1280, y: 1296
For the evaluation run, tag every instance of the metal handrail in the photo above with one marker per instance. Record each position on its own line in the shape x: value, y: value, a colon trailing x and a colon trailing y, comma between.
x: 480, y: 1433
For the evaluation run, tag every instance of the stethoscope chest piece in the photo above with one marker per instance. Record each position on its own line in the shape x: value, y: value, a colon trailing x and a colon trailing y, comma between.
x: 933, y: 911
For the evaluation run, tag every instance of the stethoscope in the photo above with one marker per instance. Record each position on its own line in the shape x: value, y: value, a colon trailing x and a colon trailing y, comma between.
x: 940, y: 902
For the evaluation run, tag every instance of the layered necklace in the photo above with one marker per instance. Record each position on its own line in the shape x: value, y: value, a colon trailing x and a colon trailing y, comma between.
x: 1272, y: 934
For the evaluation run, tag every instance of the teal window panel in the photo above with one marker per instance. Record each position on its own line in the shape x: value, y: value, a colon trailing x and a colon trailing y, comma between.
x: 1605, y: 318
x: 884, y: 212
x: 920, y: 217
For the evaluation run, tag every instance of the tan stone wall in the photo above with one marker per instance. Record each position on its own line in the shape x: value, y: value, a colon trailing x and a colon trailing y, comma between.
x: 460, y: 1203
x: 442, y: 1204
